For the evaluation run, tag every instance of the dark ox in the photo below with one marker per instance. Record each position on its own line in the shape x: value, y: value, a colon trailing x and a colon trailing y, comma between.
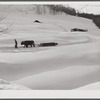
x: 27, y: 43
x: 48, y: 44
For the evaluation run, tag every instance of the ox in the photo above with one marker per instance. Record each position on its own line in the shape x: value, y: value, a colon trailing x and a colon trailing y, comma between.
x: 27, y: 43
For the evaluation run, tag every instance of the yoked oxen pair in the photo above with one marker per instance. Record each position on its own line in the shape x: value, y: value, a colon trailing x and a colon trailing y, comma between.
x: 28, y: 43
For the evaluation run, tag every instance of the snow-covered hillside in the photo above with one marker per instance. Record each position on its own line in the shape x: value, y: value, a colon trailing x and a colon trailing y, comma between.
x: 73, y: 63
x: 5, y: 85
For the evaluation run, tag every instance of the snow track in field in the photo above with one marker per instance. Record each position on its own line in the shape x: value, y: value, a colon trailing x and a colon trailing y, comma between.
x: 77, y: 40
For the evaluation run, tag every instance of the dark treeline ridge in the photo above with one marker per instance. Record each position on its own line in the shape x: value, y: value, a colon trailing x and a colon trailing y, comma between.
x: 95, y: 18
x: 59, y: 9
x: 71, y: 11
x: 85, y: 15
x: 55, y: 9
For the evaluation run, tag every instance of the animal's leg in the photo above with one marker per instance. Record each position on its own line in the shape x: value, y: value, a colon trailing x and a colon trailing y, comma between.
x: 26, y: 46
x: 33, y: 44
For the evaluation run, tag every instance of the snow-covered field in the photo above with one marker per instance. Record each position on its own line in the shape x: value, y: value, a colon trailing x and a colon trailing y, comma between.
x: 73, y: 64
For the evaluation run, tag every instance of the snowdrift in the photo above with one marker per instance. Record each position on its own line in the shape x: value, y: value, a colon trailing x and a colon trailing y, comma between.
x: 93, y: 86
x: 65, y: 79
x: 5, y: 85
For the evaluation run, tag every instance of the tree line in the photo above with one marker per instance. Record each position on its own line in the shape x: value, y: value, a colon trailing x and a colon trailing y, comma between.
x: 94, y: 18
x: 56, y: 9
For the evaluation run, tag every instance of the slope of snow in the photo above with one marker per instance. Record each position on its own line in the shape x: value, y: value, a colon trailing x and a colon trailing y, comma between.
x: 93, y: 86
x: 4, y: 85
x: 19, y: 65
x: 64, y: 79
x: 73, y: 63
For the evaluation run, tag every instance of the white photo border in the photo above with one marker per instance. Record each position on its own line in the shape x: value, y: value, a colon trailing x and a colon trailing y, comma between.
x: 48, y: 94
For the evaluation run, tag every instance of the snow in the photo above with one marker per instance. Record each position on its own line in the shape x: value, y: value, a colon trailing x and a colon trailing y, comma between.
x: 63, y: 79
x: 93, y: 86
x: 72, y: 64
x: 5, y: 85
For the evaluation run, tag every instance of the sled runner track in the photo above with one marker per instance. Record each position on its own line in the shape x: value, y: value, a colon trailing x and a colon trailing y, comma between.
x: 89, y: 40
x: 61, y: 27
x: 39, y: 48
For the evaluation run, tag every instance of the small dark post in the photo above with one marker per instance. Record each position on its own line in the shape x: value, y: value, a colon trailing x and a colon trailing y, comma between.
x: 16, y: 43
